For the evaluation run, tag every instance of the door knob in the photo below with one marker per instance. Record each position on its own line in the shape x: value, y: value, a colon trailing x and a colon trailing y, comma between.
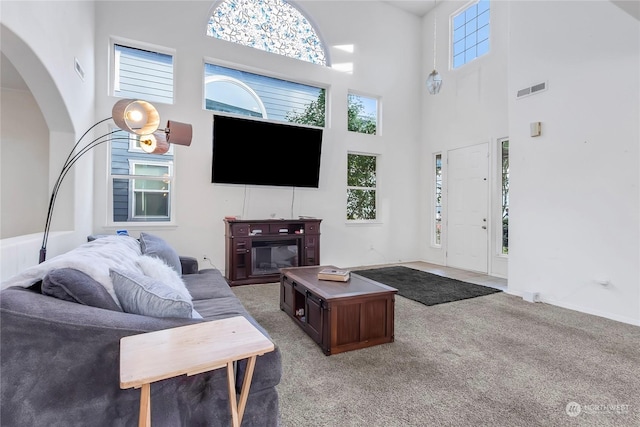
x: 484, y: 227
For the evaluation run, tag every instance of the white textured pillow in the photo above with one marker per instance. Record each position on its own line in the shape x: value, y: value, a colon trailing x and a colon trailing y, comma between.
x: 157, y: 269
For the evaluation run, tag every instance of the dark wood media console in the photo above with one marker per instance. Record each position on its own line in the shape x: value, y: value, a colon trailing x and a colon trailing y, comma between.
x: 256, y: 250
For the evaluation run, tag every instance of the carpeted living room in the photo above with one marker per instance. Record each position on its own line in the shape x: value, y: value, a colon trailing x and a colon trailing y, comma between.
x: 489, y: 360
x: 463, y: 169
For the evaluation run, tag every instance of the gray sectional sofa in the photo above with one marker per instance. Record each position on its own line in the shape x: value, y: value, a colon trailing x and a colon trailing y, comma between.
x: 61, y: 342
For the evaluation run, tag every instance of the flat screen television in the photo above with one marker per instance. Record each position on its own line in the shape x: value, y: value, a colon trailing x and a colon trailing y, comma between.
x: 260, y: 152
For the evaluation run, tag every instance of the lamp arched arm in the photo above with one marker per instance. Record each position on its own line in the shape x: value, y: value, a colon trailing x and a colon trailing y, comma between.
x: 71, y: 160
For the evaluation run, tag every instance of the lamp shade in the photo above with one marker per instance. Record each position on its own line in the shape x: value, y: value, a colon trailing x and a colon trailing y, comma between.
x: 135, y: 116
x: 156, y: 143
x: 434, y: 82
x: 179, y: 133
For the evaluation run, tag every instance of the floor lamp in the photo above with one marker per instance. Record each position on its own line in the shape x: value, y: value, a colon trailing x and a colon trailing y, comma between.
x: 135, y: 117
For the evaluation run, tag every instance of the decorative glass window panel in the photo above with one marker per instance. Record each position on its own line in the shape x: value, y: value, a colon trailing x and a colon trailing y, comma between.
x: 438, y: 200
x: 470, y: 33
x: 361, y: 187
x: 141, y: 187
x: 142, y: 74
x: 362, y: 114
x: 241, y: 92
x: 504, y: 145
x: 270, y: 25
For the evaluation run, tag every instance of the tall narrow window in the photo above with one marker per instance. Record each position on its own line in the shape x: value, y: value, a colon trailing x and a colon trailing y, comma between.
x: 504, y: 144
x: 270, y: 25
x: 149, y: 198
x: 438, y: 200
x: 361, y: 187
x: 142, y: 74
x: 141, y: 187
x: 470, y: 36
x: 362, y: 114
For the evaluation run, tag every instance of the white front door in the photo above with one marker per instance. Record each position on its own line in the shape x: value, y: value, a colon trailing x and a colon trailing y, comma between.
x: 468, y: 189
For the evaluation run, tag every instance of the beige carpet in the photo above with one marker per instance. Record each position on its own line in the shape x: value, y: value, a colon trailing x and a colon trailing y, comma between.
x: 495, y: 360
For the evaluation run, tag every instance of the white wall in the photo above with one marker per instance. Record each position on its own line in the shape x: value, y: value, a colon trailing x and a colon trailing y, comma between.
x: 574, y: 214
x: 386, y: 64
x: 24, y: 145
x: 470, y: 109
x: 41, y: 39
x: 574, y: 190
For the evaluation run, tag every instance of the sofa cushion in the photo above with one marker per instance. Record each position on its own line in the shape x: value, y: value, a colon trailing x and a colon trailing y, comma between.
x: 156, y: 246
x: 157, y: 269
x: 220, y: 308
x: 208, y: 284
x: 147, y: 296
x: 73, y: 285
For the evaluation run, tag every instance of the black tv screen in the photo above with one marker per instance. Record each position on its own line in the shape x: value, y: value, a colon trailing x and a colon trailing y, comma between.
x: 259, y: 152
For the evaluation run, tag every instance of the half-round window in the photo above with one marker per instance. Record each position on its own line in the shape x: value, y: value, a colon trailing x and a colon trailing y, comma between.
x: 270, y: 25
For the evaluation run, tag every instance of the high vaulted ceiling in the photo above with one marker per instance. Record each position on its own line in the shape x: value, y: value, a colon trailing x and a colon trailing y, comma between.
x: 416, y: 7
x: 422, y: 7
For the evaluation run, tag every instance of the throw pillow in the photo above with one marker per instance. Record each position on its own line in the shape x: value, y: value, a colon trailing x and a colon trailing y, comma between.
x: 158, y: 247
x: 92, y: 258
x: 73, y: 285
x: 159, y: 270
x: 139, y: 294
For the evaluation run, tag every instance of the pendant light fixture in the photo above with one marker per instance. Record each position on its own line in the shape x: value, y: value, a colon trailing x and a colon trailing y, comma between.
x: 434, y: 81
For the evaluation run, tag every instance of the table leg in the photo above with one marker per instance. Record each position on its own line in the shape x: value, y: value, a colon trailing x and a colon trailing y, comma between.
x: 246, y: 385
x: 145, y: 406
x: 233, y: 405
x: 238, y: 412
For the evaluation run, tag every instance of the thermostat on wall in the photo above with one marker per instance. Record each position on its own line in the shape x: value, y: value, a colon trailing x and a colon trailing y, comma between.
x: 536, y: 128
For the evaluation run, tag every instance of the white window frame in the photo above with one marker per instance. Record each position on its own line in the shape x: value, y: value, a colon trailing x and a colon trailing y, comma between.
x: 151, y: 223
x: 113, y: 66
x: 499, y: 183
x: 375, y: 189
x: 132, y: 189
x: 378, y: 114
x: 434, y: 222
x: 463, y: 9
x: 261, y: 73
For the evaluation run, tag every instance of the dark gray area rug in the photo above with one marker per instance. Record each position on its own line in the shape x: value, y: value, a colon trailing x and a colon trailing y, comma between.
x: 426, y: 288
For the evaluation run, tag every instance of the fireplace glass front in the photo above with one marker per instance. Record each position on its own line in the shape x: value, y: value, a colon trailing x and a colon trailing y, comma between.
x: 269, y: 256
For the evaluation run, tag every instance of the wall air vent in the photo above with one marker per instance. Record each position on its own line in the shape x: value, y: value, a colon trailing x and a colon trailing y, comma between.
x: 539, y: 87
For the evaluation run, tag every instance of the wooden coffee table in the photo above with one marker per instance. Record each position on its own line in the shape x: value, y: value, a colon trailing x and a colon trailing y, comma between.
x: 339, y: 316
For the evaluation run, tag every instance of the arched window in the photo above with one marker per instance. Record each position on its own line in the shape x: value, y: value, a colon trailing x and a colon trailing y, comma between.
x: 270, y: 25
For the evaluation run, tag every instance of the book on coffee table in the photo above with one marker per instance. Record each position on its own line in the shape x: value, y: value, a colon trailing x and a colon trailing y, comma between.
x: 332, y: 274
